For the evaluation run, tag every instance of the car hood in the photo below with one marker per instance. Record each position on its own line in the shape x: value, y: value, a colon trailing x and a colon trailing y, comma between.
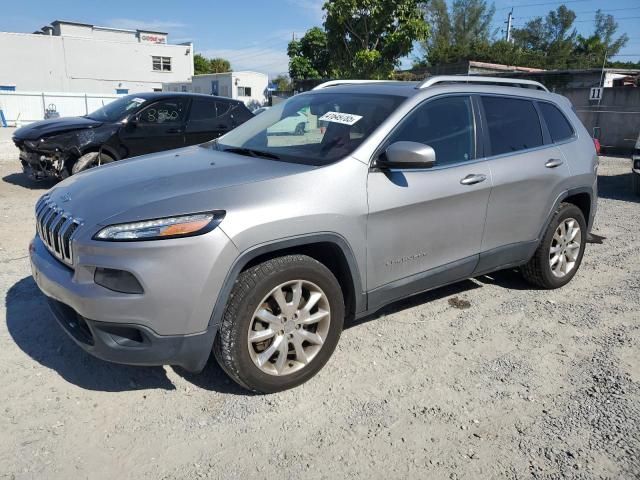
x: 37, y: 130
x: 175, y: 182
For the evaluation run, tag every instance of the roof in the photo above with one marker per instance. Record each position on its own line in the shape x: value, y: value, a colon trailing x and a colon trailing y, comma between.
x: 500, y: 66
x: 66, y: 22
x: 458, y: 83
x: 161, y: 95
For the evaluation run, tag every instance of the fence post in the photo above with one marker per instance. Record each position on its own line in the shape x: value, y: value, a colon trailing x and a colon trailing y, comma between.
x: 44, y: 107
x: 86, y: 105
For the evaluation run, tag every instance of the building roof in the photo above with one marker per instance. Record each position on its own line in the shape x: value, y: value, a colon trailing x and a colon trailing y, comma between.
x: 67, y: 22
x: 500, y: 66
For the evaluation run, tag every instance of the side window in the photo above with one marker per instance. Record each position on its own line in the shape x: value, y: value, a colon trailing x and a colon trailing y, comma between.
x: 558, y: 125
x: 163, y: 112
x: 223, y: 108
x: 513, y: 124
x: 203, y: 112
x: 446, y: 125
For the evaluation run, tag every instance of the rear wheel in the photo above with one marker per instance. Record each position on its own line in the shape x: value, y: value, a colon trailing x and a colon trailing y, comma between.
x: 560, y: 252
x: 281, y: 324
x: 90, y: 160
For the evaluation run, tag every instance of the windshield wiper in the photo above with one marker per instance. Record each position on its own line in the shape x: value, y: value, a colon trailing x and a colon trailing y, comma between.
x: 250, y: 152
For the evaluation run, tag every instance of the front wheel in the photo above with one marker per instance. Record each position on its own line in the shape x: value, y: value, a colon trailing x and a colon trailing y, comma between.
x: 560, y: 252
x: 90, y: 160
x: 300, y: 129
x: 282, y: 323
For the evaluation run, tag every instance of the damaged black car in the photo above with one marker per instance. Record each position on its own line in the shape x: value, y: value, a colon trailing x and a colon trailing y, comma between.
x: 130, y: 126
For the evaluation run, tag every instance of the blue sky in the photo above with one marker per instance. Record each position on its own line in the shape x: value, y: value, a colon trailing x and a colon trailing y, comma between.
x: 253, y: 34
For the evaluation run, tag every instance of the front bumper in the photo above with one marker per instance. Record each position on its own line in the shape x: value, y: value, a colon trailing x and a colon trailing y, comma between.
x: 133, y: 344
x: 168, y: 324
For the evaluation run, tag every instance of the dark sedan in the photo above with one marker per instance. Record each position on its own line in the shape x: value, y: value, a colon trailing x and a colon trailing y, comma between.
x: 127, y: 127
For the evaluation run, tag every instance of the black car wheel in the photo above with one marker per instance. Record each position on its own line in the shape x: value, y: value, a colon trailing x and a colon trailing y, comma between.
x: 90, y: 160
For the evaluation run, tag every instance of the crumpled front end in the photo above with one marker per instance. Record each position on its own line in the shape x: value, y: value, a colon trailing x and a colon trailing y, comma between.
x: 41, y: 163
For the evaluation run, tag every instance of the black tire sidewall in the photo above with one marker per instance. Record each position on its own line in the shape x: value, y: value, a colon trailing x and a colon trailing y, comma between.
x: 86, y: 161
x: 566, y: 211
x: 248, y: 372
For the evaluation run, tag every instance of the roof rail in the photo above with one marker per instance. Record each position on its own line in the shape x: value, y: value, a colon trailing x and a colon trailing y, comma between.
x: 332, y: 83
x: 508, y: 82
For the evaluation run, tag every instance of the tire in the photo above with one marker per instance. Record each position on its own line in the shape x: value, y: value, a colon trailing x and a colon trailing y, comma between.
x: 239, y: 357
x: 299, y: 129
x: 538, y: 271
x: 635, y: 182
x: 90, y: 160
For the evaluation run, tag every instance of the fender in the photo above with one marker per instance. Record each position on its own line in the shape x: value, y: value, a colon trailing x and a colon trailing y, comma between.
x: 105, y: 148
x: 559, y: 200
x: 285, y: 243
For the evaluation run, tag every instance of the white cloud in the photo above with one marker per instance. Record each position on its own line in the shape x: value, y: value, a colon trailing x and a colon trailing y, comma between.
x: 312, y: 7
x: 134, y: 24
x: 271, y: 61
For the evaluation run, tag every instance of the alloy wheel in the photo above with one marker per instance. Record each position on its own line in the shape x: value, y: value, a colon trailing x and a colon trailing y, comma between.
x: 565, y: 247
x: 289, y: 327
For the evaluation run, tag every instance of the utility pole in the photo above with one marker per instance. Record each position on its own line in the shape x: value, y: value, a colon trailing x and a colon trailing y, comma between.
x: 509, y: 23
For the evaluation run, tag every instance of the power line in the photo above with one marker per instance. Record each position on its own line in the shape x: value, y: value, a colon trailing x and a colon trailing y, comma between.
x: 617, y: 19
x: 542, y: 4
x: 587, y: 11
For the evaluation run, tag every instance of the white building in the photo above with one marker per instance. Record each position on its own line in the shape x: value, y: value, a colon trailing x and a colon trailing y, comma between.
x: 76, y: 57
x: 249, y: 87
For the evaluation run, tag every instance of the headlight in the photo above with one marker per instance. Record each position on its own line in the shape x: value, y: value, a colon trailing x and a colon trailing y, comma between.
x: 161, y: 228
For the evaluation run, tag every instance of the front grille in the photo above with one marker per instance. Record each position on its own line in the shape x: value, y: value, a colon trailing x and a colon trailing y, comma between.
x: 55, y: 228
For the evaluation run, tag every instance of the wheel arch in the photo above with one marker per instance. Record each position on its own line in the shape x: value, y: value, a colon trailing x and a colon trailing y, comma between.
x: 330, y: 249
x: 104, y: 148
x: 581, y: 197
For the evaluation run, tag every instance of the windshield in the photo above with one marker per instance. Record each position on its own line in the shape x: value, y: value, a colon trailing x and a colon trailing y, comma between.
x: 315, y: 128
x: 118, y: 109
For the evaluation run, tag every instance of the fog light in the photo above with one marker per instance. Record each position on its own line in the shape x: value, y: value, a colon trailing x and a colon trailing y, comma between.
x: 117, y: 280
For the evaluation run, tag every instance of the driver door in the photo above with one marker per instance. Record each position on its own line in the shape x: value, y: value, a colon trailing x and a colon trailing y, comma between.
x: 159, y: 126
x: 425, y: 225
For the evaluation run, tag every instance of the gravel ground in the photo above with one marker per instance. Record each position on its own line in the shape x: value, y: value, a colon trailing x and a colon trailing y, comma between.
x: 488, y: 378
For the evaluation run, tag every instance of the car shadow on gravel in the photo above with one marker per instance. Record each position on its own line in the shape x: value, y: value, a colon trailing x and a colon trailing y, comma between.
x: 22, y: 180
x: 35, y: 331
x: 617, y: 187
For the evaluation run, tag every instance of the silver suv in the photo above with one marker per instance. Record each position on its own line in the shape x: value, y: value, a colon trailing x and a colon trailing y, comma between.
x: 259, y: 245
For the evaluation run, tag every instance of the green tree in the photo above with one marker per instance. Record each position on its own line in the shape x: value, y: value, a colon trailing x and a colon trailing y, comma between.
x: 219, y: 65
x: 309, y: 56
x: 282, y: 82
x: 200, y: 64
x: 590, y: 51
x: 459, y: 33
x: 367, y: 38
x: 203, y: 65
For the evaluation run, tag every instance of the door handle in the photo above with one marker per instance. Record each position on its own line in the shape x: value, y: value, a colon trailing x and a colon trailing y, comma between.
x: 473, y: 178
x: 175, y: 130
x: 553, y: 163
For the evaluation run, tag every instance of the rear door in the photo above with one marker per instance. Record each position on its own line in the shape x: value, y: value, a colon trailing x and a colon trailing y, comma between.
x: 203, y: 124
x: 528, y: 171
x: 159, y: 126
x: 425, y: 225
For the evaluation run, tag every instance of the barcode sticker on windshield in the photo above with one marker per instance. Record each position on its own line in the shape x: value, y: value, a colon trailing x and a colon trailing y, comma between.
x: 338, y: 117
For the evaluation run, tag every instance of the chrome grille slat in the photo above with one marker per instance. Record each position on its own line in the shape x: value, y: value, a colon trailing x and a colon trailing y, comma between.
x: 56, y: 228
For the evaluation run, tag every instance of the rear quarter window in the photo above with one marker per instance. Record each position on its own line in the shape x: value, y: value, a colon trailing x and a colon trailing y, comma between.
x: 513, y: 124
x: 558, y: 125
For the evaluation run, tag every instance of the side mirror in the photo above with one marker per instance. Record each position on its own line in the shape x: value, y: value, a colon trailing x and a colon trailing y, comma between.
x: 132, y: 123
x: 408, y: 155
